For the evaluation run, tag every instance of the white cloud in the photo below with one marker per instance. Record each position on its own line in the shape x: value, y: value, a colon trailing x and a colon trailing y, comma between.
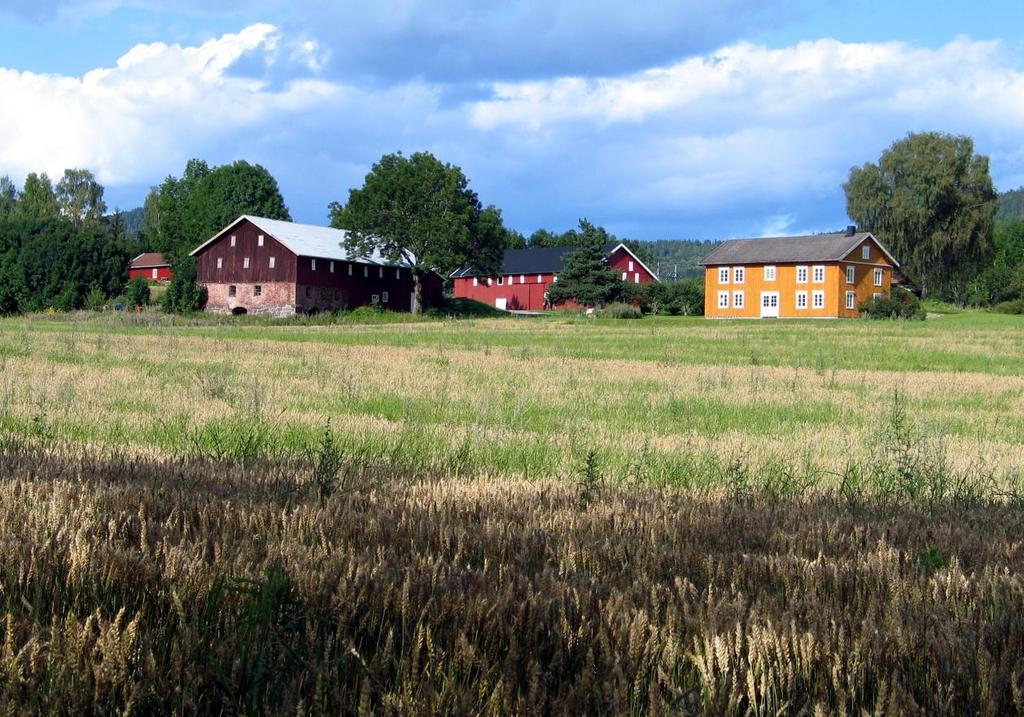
x: 130, y: 121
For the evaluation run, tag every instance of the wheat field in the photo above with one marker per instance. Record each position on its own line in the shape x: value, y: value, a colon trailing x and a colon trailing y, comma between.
x: 551, y: 516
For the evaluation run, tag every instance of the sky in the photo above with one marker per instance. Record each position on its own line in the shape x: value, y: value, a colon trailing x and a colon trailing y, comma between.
x: 657, y: 119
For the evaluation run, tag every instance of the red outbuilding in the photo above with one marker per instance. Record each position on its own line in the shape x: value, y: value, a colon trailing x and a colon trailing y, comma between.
x: 268, y: 266
x: 150, y: 265
x: 525, y: 275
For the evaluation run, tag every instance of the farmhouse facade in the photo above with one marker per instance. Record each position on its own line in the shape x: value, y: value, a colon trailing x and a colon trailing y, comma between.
x: 525, y: 275
x: 150, y: 265
x: 267, y: 266
x: 824, y: 276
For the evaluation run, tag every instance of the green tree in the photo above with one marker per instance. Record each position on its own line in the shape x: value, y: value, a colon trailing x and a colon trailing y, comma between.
x: 586, y: 278
x: 8, y: 198
x: 37, y: 200
x: 184, y: 295
x: 137, y: 292
x: 930, y: 200
x: 420, y: 211
x: 80, y: 197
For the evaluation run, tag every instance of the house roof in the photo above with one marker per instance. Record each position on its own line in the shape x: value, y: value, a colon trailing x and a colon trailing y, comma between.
x: 784, y: 250
x: 148, y: 260
x: 541, y: 260
x: 305, y: 240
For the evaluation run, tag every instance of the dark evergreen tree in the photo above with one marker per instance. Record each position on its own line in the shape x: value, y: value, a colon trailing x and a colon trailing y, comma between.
x: 586, y: 278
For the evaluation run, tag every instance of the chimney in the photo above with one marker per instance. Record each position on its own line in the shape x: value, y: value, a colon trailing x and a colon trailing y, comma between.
x: 851, y: 230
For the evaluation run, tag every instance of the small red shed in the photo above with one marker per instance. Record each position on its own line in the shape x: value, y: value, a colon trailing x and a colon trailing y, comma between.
x: 150, y: 265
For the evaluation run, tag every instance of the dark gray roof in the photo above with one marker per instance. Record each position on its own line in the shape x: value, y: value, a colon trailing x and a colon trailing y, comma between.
x: 783, y: 250
x: 544, y: 260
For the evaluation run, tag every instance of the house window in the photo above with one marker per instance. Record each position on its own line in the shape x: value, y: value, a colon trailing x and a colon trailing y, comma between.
x: 636, y: 278
x: 259, y: 240
x: 309, y: 292
x: 631, y: 266
x: 220, y: 262
x: 769, y: 273
x: 312, y: 264
x: 851, y: 275
x: 738, y: 275
x: 245, y: 263
x: 723, y: 299
x: 723, y: 275
x: 801, y: 275
x: 350, y: 270
x: 232, y: 290
x: 851, y: 299
x: 331, y: 265
x: 384, y: 296
x: 878, y: 277
x: 819, y: 300
x: 876, y: 296
x: 475, y: 282
x: 819, y: 275
x: 737, y: 299
x: 623, y: 276
x: 273, y: 262
x: 801, y: 299
x: 865, y: 252
x: 232, y: 240
x: 257, y: 290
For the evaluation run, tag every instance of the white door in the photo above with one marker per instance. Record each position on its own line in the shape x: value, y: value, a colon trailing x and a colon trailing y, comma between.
x: 769, y: 304
x: 501, y: 303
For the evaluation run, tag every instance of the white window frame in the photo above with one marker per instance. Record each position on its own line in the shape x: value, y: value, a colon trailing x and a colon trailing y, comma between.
x: 623, y: 276
x: 384, y: 297
x: 851, y: 275
x: 522, y: 278
x: 380, y: 273
x: 739, y: 274
x: 398, y: 272
x: 375, y: 298
x: 631, y: 265
x: 876, y: 295
x: 475, y: 282
x: 739, y: 300
x: 272, y: 262
x: 331, y: 267
x: 802, y: 306
x: 818, y: 271
x: 636, y: 278
x: 259, y: 240
x: 879, y: 277
x: 245, y: 263
x: 501, y: 281
x: 312, y: 264
x: 540, y: 278
x: 865, y: 252
x: 232, y: 291
x: 851, y: 299
x: 723, y: 275
x: 257, y: 290
x: 366, y: 271
x: 220, y: 262
x: 770, y: 273
x: 723, y: 299
x: 350, y: 269
x: 818, y: 299
x: 802, y: 271
x: 232, y: 240
x: 156, y: 273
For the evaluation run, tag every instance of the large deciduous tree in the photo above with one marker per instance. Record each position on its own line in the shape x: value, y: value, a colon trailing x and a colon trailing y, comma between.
x: 930, y: 200
x: 586, y: 278
x: 8, y: 198
x: 420, y: 211
x: 80, y: 197
x: 37, y: 201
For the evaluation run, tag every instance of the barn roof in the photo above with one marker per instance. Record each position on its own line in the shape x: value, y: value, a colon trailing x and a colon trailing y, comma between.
x: 305, y: 240
x: 541, y: 260
x: 148, y: 260
x: 784, y: 250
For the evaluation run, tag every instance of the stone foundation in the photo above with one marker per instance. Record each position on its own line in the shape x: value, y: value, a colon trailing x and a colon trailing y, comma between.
x: 275, y: 299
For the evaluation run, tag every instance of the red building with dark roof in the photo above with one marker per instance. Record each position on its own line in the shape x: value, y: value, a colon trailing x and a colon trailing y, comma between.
x: 150, y: 265
x: 525, y: 275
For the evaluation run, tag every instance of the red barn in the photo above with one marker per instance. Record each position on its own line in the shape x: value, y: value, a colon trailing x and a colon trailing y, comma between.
x: 267, y: 266
x: 150, y: 265
x: 526, y: 274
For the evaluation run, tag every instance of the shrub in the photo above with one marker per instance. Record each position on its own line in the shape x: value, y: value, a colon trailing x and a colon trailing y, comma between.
x: 136, y: 292
x: 1010, y: 307
x: 184, y: 295
x: 898, y: 305
x: 95, y: 300
x: 621, y: 311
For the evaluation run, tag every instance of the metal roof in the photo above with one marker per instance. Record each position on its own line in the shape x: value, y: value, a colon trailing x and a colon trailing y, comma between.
x: 305, y: 240
x: 148, y: 260
x: 541, y: 260
x: 784, y: 250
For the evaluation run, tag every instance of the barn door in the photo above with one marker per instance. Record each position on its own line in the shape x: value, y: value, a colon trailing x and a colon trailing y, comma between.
x: 501, y: 304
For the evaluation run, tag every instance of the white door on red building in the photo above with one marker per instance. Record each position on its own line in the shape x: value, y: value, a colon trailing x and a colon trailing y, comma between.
x: 501, y: 304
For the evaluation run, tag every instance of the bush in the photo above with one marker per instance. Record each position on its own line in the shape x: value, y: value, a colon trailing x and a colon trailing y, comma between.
x: 136, y: 292
x: 1010, y: 307
x: 621, y: 311
x: 95, y: 300
x: 184, y: 295
x: 898, y: 305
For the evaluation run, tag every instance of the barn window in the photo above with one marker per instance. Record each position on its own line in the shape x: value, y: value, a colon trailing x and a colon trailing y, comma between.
x: 309, y: 292
x: 366, y: 271
x: 723, y: 275
x: 801, y: 275
x: 511, y: 281
x: 739, y: 274
x: 723, y: 299
x: 220, y: 262
x: 738, y: 299
x: 522, y: 279
x: 332, y: 267
x: 636, y: 278
x: 865, y: 252
x: 375, y: 299
x: 475, y: 282
x: 801, y: 299
x: 232, y: 240
x: 325, y: 293
x: 380, y: 272
x: 540, y: 279
x: 851, y: 299
x: 245, y: 263
x: 769, y: 273
x: 878, y: 277
x: 259, y: 240
x: 232, y: 290
x: 501, y: 280
x: 350, y: 270
x: 257, y: 290
x: 337, y: 294
x: 384, y: 296
x: 851, y: 275
x: 312, y: 264
x: 631, y: 265
x: 819, y: 299
x: 554, y: 278
x: 398, y: 273
x: 819, y: 275
x: 273, y: 262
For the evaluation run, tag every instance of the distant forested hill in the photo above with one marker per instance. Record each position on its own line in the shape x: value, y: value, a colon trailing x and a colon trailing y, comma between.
x: 132, y: 222
x: 1011, y: 205
x: 679, y: 258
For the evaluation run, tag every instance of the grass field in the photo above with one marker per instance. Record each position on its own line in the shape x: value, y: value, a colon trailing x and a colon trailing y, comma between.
x: 511, y: 516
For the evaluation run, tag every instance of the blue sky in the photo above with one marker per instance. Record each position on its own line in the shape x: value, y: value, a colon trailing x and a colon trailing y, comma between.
x: 656, y: 119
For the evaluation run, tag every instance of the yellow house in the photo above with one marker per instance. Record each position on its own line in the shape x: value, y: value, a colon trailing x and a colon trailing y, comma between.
x: 825, y: 276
